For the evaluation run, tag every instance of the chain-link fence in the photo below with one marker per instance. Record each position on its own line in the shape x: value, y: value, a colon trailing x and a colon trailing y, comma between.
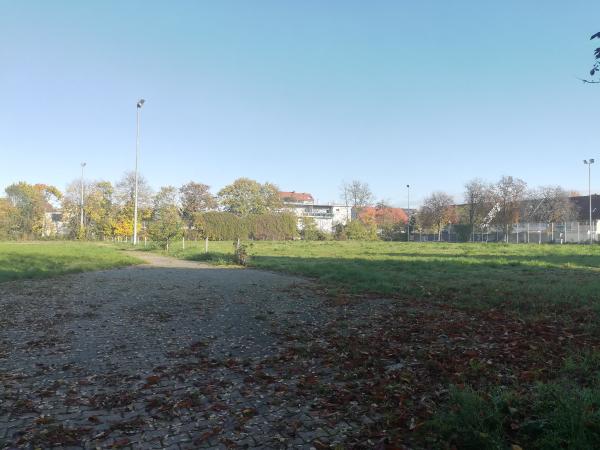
x: 522, y: 233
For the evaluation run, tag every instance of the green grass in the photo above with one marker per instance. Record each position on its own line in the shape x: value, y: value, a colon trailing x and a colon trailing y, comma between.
x: 562, y: 413
x: 557, y: 285
x: 528, y: 276
x: 49, y: 259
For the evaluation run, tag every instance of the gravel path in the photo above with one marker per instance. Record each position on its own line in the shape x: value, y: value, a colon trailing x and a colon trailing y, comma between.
x: 168, y: 354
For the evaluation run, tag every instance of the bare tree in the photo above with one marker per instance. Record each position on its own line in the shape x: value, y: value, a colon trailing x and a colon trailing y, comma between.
x: 166, y: 197
x: 508, y: 195
x: 437, y: 211
x: 356, y: 194
x: 550, y: 204
x: 125, y: 191
x: 478, y: 200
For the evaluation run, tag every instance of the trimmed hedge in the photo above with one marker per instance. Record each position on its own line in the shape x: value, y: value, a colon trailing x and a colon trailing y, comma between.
x: 226, y: 226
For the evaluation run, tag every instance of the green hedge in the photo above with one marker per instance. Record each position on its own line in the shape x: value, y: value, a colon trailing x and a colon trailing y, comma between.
x: 226, y: 226
x: 271, y: 227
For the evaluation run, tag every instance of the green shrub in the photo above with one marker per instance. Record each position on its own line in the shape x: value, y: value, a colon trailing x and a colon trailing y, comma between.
x: 356, y: 230
x: 393, y: 232
x: 240, y: 254
x: 310, y: 231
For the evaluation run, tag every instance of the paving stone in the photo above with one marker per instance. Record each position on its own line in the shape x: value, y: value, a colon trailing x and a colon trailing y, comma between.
x: 167, y: 355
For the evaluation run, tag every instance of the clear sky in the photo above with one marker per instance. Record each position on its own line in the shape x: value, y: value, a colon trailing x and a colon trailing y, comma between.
x: 303, y: 94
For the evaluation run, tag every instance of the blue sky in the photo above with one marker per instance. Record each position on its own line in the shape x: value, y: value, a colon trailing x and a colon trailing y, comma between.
x: 302, y: 94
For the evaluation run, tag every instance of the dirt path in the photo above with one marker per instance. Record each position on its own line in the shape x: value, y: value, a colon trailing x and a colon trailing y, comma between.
x: 169, y: 354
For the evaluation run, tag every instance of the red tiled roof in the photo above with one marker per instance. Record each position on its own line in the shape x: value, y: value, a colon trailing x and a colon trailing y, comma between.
x: 296, y: 196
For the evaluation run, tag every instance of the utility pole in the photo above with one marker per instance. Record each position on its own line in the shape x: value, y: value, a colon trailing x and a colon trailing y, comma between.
x: 81, y: 203
x: 589, y: 164
x: 140, y: 103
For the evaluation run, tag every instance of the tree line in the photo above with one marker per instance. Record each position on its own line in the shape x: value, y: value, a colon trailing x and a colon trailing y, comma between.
x: 248, y: 209
x: 502, y: 204
x: 245, y: 208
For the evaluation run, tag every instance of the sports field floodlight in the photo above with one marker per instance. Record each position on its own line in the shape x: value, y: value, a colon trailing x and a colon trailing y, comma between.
x: 81, y: 185
x: 408, y: 212
x: 589, y: 163
x: 140, y: 103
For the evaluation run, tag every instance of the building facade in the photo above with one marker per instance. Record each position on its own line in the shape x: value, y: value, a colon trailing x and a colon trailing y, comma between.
x: 325, y: 216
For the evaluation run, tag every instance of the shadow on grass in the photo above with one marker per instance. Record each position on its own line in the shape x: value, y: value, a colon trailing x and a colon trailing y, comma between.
x: 527, y: 287
x: 591, y: 260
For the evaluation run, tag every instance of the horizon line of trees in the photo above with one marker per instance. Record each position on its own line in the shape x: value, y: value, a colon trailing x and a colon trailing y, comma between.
x: 249, y: 209
x: 502, y: 204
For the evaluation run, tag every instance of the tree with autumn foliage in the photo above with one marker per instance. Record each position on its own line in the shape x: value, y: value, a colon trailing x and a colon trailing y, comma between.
x: 124, y: 199
x: 478, y: 202
x: 166, y: 224
x: 245, y: 196
x: 195, y: 198
x: 383, y: 215
x: 390, y: 222
x: 437, y: 212
x: 508, y: 195
x: 29, y: 205
x: 7, y: 223
x: 99, y: 209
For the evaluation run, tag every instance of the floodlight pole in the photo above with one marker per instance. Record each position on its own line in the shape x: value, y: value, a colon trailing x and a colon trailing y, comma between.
x: 81, y: 203
x: 589, y: 164
x: 140, y: 103
x: 408, y: 212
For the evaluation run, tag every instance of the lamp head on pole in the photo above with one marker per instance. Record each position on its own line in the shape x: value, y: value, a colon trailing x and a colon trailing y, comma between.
x: 83, y: 164
x: 408, y: 185
x: 590, y: 161
x: 140, y: 103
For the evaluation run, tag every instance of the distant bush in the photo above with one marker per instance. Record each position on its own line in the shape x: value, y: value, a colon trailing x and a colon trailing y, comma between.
x: 356, y: 230
x: 311, y: 232
x: 393, y: 232
x: 463, y: 232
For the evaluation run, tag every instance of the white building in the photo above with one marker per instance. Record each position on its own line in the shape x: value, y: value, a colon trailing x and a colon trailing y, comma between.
x: 54, y: 224
x: 326, y: 216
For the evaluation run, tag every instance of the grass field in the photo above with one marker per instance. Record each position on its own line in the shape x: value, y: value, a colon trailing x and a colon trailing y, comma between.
x: 483, y: 346
x: 520, y: 363
x: 509, y: 333
x: 528, y: 277
x: 48, y: 259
